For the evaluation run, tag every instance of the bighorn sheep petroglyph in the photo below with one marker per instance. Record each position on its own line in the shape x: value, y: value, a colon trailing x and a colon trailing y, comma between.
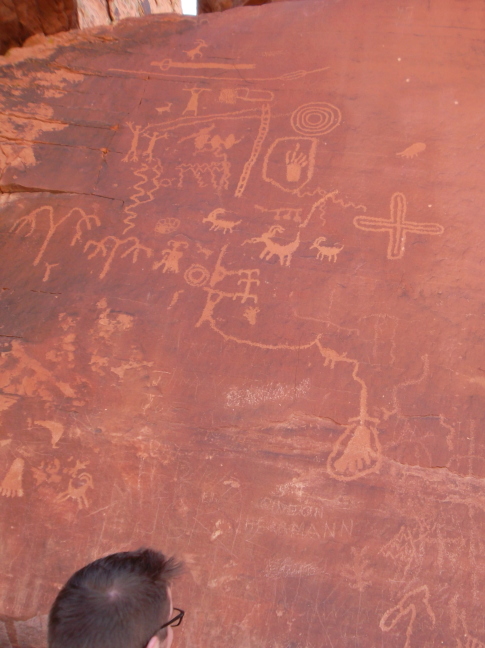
x: 283, y: 252
x: 217, y: 224
x: 324, y: 250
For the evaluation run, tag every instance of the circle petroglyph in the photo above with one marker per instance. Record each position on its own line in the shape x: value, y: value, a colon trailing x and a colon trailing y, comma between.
x: 315, y: 118
x: 196, y: 275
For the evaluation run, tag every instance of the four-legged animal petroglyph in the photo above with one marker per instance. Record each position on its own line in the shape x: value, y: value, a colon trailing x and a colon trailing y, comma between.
x: 218, y: 223
x: 197, y: 50
x: 325, y: 251
x: 283, y: 252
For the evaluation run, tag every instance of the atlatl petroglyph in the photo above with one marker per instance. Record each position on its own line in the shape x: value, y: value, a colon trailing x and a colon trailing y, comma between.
x: 408, y: 607
x: 31, y: 222
x: 396, y: 226
x: 271, y: 249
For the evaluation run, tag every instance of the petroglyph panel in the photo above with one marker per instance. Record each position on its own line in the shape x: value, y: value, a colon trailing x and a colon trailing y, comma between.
x: 242, y: 320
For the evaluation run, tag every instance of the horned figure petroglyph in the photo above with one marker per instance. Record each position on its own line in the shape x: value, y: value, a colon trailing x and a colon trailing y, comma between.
x: 283, y: 252
x: 324, y: 250
x: 219, y: 224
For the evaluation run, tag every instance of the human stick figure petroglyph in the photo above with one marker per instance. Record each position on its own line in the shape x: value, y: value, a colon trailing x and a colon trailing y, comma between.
x: 283, y: 252
x: 196, y: 51
x: 220, y: 224
x: 31, y: 221
x: 397, y: 226
x: 407, y: 607
x: 324, y: 250
x: 132, y: 155
x: 171, y: 256
x: 102, y: 247
x: 153, y: 137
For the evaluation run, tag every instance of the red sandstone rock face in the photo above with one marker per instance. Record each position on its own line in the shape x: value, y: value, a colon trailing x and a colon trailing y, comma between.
x: 242, y: 319
x: 20, y: 19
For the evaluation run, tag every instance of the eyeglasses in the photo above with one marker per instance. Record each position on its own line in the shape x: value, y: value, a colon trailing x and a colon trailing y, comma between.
x: 176, y: 621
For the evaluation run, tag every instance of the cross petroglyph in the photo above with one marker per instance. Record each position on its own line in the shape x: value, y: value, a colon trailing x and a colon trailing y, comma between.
x: 397, y: 226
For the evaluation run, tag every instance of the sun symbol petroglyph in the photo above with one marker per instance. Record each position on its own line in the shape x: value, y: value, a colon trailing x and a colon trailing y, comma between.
x: 283, y: 252
x: 219, y: 223
x: 316, y: 118
x: 196, y: 275
x: 11, y: 485
x: 31, y: 222
x: 113, y: 242
x: 397, y: 226
x: 413, y: 150
x: 171, y: 256
x: 407, y: 608
x: 330, y: 252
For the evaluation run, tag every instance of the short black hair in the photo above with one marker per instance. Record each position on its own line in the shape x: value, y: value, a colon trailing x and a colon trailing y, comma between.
x: 120, y: 600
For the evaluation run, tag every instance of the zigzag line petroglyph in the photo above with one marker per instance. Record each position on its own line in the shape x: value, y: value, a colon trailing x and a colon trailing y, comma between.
x: 140, y: 191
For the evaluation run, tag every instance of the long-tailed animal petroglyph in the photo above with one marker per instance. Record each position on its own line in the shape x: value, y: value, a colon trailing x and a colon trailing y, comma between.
x: 397, y: 226
x: 316, y: 118
x: 31, y: 221
x: 271, y: 249
x: 219, y: 223
x: 408, y: 606
x: 197, y: 50
x: 171, y: 256
x: 413, y: 150
x: 290, y: 162
x: 79, y: 483
x: 330, y: 252
x: 109, y: 246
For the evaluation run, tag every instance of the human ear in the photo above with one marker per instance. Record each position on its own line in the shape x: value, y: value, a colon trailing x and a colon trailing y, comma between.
x: 154, y: 642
